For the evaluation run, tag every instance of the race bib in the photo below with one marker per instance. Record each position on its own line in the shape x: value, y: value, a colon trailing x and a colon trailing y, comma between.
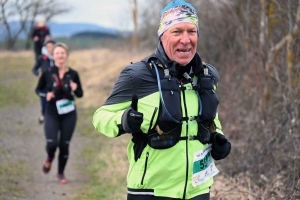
x: 204, y: 167
x: 65, y: 106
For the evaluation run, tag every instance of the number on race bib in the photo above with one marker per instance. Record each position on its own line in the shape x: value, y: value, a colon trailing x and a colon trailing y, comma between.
x: 204, y: 167
x: 65, y: 106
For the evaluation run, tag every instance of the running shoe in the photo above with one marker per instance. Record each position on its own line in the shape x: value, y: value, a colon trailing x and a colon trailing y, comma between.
x: 41, y: 119
x: 46, y: 166
x: 62, y: 179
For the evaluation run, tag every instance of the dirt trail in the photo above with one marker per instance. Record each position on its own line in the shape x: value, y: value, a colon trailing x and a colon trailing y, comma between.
x: 24, y: 137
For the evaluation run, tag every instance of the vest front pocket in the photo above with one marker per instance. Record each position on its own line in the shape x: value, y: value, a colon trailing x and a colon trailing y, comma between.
x: 170, y: 101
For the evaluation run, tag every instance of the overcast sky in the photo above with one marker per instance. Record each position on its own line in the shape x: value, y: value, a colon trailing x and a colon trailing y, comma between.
x: 109, y: 13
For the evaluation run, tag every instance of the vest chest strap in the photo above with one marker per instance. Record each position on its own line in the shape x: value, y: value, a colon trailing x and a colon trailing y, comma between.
x: 190, y: 137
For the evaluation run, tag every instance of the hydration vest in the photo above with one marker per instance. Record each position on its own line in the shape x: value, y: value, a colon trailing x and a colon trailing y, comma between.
x: 60, y: 87
x: 167, y: 130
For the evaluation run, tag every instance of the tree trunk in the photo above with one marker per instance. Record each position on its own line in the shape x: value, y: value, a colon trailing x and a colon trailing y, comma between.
x: 135, y: 37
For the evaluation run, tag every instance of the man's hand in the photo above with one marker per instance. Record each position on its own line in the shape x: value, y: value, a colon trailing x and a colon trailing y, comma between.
x: 220, y: 146
x: 36, y: 38
x: 132, y: 119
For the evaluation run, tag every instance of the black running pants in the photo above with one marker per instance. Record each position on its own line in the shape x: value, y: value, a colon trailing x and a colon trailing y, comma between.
x: 58, y: 131
x: 37, y: 49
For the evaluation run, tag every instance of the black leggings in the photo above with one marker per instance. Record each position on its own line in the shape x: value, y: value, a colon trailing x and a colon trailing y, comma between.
x: 43, y: 102
x: 149, y: 197
x: 58, y: 131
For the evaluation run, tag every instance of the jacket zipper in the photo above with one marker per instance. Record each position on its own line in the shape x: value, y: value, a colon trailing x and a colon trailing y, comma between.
x: 186, y: 146
x: 145, y: 169
x: 152, y: 118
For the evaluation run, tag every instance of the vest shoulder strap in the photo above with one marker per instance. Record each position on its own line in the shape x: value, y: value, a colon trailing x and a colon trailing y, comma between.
x: 213, y: 72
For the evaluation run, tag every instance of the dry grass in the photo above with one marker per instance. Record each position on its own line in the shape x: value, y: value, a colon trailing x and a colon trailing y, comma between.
x: 99, y: 69
x: 15, y: 78
x: 19, y: 54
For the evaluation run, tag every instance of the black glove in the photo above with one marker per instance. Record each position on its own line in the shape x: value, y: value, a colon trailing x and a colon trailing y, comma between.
x: 132, y: 119
x: 220, y: 146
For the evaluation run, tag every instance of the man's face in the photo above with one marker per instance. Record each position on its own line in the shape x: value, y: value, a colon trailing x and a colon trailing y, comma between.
x: 180, y: 42
x: 49, y: 47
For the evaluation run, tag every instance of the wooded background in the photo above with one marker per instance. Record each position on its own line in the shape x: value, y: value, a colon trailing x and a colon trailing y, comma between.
x: 255, y: 46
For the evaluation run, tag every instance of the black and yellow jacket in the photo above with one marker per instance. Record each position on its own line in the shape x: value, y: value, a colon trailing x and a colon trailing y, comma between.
x: 167, y: 172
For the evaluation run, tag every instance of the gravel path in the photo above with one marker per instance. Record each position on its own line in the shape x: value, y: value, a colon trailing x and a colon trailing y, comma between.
x: 23, y: 136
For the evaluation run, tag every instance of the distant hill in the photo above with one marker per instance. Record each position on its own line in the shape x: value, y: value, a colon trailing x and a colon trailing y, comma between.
x: 64, y: 29
x: 93, y: 34
x: 69, y: 29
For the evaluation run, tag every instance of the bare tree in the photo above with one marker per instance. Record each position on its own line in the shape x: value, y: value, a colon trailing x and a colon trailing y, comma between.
x: 46, y: 8
x: 2, y: 3
x: 26, y: 11
x: 7, y: 11
x: 135, y: 37
x: 149, y: 22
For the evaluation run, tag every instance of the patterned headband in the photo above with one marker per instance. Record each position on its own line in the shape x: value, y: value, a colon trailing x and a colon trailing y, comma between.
x: 177, y: 15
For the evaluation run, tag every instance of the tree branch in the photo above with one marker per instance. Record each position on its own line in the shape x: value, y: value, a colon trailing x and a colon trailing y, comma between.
x: 273, y: 51
x: 26, y: 11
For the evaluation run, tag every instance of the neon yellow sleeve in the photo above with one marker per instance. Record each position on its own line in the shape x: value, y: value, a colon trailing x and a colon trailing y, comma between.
x: 218, y: 124
x: 107, y: 117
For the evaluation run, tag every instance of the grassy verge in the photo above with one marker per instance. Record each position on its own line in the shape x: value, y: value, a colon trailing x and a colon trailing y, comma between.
x: 105, y: 162
x: 15, y: 82
x: 10, y: 172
